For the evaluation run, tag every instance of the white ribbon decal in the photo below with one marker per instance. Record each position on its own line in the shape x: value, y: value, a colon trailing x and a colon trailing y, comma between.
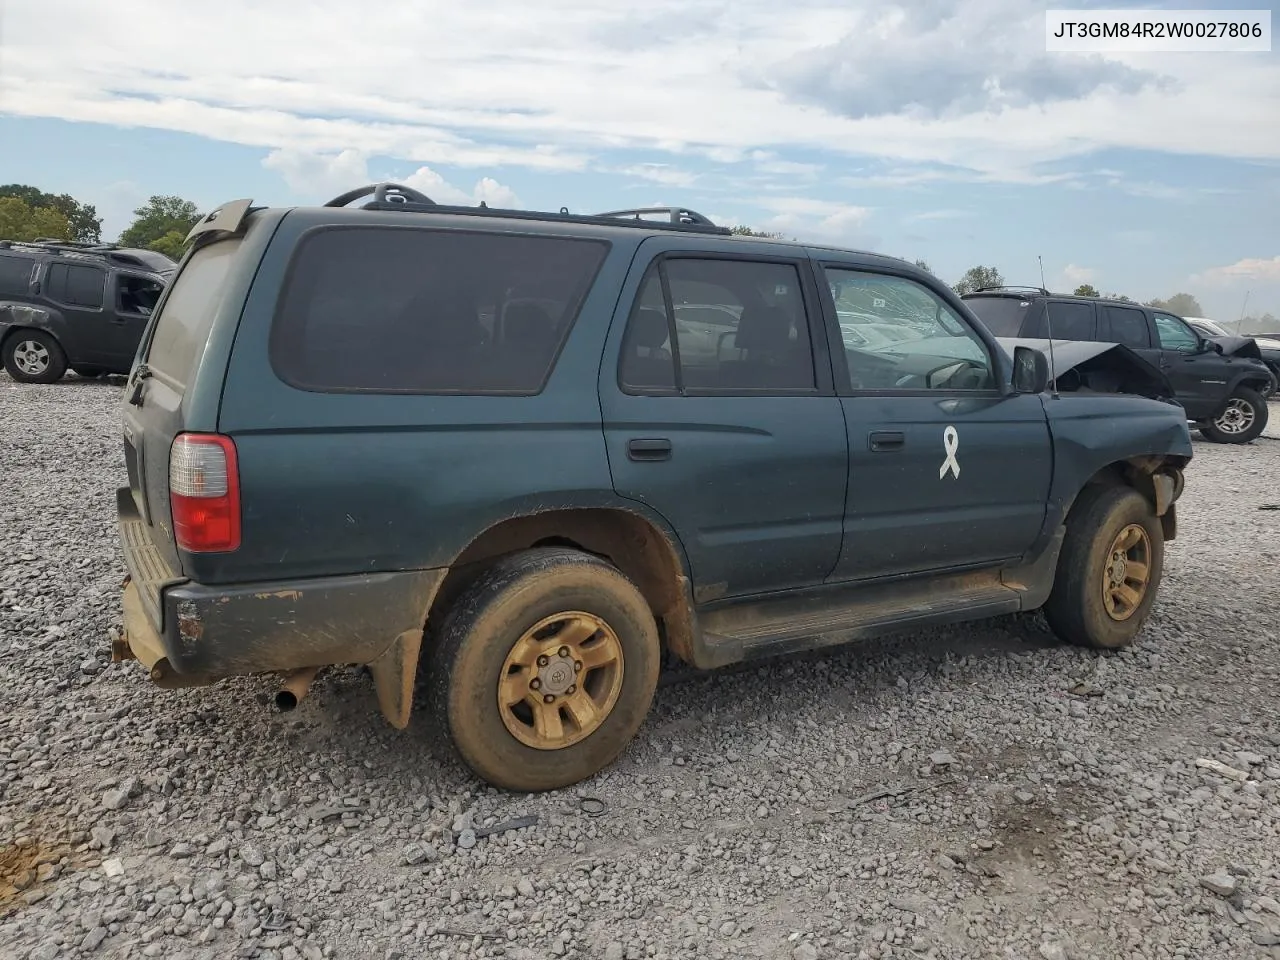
x: 950, y: 443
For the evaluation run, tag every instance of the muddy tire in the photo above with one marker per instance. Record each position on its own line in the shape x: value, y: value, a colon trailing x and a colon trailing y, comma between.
x: 33, y: 356
x: 1109, y: 570
x: 543, y: 669
x: 1242, y: 418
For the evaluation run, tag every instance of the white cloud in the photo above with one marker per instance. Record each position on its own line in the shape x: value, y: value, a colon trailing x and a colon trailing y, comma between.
x: 494, y: 194
x: 819, y: 220
x: 308, y: 173
x: 662, y: 173
x: 1257, y: 269
x: 554, y: 86
x: 1073, y: 275
x: 945, y: 214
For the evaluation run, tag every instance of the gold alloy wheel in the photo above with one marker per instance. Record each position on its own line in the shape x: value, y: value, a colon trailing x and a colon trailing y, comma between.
x: 560, y: 681
x: 1127, y: 572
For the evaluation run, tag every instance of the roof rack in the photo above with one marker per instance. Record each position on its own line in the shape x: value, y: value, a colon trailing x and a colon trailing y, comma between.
x: 1011, y: 287
x: 80, y: 249
x: 677, y: 215
x: 396, y: 196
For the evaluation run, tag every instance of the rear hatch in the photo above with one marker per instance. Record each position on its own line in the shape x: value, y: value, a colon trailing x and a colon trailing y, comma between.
x: 158, y: 405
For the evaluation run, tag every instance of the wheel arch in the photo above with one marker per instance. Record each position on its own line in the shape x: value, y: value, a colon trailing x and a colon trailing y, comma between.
x: 1158, y: 477
x: 640, y: 546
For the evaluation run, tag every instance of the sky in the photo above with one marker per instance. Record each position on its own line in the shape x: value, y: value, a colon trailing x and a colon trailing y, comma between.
x: 936, y: 129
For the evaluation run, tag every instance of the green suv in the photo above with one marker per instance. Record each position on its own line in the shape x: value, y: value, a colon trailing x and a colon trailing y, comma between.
x: 522, y: 456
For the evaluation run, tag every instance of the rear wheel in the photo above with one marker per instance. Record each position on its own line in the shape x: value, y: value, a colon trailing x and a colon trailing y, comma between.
x: 1242, y: 418
x: 1109, y: 569
x: 544, y: 668
x: 33, y: 356
x: 89, y: 373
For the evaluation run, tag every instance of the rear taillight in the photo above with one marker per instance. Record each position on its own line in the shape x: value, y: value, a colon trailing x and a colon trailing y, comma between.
x: 204, y: 493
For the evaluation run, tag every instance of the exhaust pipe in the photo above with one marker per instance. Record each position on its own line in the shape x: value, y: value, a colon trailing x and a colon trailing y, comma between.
x: 295, y: 687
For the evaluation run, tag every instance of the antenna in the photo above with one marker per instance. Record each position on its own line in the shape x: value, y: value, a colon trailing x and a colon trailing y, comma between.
x: 1048, y: 329
x: 1243, y: 306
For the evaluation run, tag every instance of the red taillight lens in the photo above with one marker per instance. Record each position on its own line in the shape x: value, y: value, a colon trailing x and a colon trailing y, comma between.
x: 204, y: 493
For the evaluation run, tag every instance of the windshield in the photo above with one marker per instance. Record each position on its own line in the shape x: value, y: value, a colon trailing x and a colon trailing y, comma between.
x: 1003, y: 316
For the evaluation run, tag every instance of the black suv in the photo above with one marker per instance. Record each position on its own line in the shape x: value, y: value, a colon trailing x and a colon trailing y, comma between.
x: 567, y: 446
x: 78, y: 305
x: 1222, y: 385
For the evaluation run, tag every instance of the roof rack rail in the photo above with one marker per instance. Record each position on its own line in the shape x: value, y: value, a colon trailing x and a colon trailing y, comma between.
x: 1013, y: 286
x: 678, y: 215
x: 81, y: 248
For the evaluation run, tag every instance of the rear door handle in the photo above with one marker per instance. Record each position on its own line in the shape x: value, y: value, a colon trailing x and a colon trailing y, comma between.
x: 655, y: 449
x: 882, y: 440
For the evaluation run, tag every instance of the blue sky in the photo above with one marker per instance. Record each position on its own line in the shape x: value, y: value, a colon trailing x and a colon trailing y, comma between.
x: 937, y: 129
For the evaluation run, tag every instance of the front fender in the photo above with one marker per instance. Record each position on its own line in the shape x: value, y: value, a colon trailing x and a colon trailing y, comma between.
x: 1094, y: 433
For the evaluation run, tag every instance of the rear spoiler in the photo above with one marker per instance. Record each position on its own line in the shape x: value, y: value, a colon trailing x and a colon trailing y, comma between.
x: 228, y: 218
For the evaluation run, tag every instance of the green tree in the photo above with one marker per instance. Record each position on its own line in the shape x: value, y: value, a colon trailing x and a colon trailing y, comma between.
x: 157, y: 222
x: 20, y: 221
x: 172, y: 245
x: 924, y: 265
x: 1119, y: 296
x: 82, y: 218
x: 748, y: 232
x: 1086, y: 290
x: 975, y: 278
x: 1180, y: 305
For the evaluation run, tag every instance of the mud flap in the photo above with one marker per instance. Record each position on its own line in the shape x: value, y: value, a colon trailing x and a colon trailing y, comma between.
x: 393, y: 677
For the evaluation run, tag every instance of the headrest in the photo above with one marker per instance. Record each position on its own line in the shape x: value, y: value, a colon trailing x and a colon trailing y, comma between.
x: 649, y: 329
x: 764, y: 328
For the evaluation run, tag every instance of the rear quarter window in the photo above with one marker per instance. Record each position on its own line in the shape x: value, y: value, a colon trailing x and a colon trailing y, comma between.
x: 413, y: 310
x: 1003, y: 316
x: 184, y: 322
x: 15, y: 275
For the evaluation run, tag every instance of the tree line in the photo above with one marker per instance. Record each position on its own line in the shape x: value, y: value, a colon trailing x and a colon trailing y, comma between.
x: 28, y: 213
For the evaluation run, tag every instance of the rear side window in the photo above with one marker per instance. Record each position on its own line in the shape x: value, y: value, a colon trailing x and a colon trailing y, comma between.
x: 187, y: 317
x: 75, y: 285
x: 1127, y: 326
x: 1003, y: 316
x: 408, y: 310
x: 1070, y: 321
x: 15, y: 276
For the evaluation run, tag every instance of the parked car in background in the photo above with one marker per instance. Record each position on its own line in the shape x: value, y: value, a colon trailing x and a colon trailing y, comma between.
x: 1222, y: 382
x: 1268, y: 345
x: 570, y: 445
x: 78, y: 305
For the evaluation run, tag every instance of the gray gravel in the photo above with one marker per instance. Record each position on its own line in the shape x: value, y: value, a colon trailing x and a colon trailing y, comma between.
x: 975, y: 792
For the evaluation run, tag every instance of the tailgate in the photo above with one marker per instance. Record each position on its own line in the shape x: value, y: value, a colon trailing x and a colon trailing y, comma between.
x: 155, y: 408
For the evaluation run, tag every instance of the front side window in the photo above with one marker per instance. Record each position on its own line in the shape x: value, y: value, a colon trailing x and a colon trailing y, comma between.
x: 738, y: 326
x: 410, y: 310
x: 1003, y: 316
x: 137, y: 296
x: 898, y: 335
x: 1174, y: 334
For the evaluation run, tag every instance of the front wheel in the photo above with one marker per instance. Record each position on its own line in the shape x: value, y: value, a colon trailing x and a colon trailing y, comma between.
x: 33, y: 356
x: 543, y: 669
x: 1109, y: 569
x: 1242, y: 418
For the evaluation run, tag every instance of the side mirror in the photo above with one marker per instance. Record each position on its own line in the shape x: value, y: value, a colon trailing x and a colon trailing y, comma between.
x: 1030, y: 370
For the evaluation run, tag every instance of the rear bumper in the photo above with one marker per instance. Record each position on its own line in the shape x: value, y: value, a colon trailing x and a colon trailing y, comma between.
x: 189, y: 634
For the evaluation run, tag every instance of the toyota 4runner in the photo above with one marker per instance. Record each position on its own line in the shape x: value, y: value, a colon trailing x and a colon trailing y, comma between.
x: 530, y: 454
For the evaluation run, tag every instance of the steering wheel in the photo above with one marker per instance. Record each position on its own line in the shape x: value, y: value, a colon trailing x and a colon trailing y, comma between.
x: 382, y: 193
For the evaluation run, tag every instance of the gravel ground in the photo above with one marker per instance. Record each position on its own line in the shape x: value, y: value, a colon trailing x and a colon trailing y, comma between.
x: 975, y: 792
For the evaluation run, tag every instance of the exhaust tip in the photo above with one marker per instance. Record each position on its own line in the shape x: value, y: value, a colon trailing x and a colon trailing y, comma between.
x: 286, y: 700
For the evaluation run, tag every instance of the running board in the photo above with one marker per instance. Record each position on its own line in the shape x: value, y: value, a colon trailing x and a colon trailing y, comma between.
x: 839, y: 614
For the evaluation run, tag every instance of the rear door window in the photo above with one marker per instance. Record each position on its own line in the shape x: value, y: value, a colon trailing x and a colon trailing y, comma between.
x: 75, y: 285
x: 410, y: 310
x: 184, y: 323
x: 1127, y: 326
x: 1069, y: 321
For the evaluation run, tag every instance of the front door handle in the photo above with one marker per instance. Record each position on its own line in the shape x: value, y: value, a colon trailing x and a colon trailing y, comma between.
x: 656, y: 449
x: 883, y: 440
